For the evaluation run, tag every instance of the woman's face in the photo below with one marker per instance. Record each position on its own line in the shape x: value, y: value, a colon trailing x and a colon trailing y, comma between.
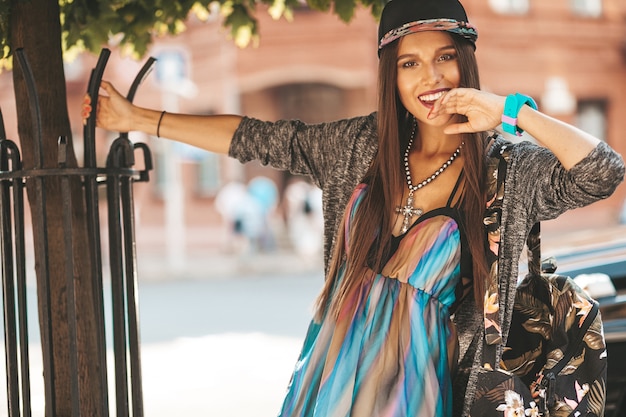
x: 427, y: 67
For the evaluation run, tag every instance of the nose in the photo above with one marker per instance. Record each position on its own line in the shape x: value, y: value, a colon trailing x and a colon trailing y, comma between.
x: 431, y: 75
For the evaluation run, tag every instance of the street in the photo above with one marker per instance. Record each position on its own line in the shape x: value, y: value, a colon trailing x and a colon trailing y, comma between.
x: 213, y: 347
x: 222, y: 347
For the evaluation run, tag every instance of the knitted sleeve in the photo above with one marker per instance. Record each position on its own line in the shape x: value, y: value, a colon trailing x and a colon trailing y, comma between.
x: 541, y: 188
x: 311, y: 150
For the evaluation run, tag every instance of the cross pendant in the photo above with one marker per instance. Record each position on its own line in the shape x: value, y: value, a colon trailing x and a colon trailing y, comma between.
x: 408, y: 211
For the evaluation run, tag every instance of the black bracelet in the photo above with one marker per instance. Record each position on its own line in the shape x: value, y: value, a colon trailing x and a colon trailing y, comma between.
x: 159, y: 124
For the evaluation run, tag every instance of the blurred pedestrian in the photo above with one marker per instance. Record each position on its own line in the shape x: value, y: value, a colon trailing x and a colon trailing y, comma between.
x: 305, y: 221
x: 265, y: 194
x: 400, y: 324
x: 230, y: 201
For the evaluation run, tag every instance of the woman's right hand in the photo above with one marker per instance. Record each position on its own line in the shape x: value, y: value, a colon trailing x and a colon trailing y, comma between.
x: 113, y: 111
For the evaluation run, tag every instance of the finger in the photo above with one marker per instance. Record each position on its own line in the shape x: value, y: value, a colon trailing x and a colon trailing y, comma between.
x: 445, y: 99
x: 454, y: 102
x: 442, y: 108
x: 86, y: 110
x: 435, y: 110
x: 108, y: 87
x: 457, y: 128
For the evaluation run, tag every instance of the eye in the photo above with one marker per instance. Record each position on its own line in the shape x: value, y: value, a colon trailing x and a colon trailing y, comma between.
x: 447, y: 57
x: 408, y: 64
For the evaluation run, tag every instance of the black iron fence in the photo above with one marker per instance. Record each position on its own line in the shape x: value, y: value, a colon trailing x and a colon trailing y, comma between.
x: 118, y: 176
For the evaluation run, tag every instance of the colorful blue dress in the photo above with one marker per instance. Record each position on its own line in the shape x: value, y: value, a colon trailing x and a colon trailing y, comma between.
x: 387, y: 354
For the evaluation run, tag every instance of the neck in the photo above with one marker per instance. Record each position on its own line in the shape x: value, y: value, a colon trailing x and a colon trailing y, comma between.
x: 432, y: 141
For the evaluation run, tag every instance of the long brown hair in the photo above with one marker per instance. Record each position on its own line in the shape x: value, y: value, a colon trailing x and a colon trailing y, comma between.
x: 374, y: 217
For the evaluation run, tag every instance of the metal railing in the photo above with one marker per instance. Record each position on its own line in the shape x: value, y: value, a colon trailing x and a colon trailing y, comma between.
x: 118, y: 176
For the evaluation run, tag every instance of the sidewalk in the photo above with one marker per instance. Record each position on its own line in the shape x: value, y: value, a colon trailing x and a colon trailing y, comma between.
x: 210, y: 252
x: 215, y: 264
x: 213, y: 261
x: 226, y: 375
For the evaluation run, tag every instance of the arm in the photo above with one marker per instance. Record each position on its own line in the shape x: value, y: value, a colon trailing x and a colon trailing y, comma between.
x: 540, y: 188
x: 568, y: 143
x: 569, y: 169
x: 115, y: 113
x: 484, y: 111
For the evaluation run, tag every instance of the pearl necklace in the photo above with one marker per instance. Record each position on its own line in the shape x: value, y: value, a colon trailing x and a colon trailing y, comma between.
x: 408, y: 211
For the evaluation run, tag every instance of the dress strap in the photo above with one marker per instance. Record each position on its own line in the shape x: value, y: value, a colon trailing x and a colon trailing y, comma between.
x: 455, y: 189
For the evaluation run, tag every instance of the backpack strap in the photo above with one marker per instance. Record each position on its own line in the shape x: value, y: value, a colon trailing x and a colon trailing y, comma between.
x: 536, y: 265
x: 498, y: 155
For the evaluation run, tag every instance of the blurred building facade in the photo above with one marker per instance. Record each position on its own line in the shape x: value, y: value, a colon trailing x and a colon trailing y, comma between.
x: 568, y: 54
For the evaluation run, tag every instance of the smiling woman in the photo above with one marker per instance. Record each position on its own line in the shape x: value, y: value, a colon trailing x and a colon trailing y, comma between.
x: 419, y: 276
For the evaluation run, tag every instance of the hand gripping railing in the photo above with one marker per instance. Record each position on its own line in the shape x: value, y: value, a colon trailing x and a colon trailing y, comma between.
x: 118, y: 176
x: 123, y: 263
x: 93, y: 218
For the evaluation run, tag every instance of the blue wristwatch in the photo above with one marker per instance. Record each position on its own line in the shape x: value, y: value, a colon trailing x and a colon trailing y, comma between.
x: 512, y: 106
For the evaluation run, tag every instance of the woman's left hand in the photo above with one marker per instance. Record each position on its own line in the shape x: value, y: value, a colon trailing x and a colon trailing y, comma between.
x: 483, y: 110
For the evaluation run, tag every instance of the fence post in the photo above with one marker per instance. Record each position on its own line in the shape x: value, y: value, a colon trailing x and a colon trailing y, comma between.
x: 119, y: 176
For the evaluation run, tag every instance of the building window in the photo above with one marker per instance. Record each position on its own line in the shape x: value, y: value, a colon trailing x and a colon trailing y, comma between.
x: 591, y: 117
x: 587, y: 8
x: 208, y: 174
x: 310, y: 102
x: 169, y: 161
x: 509, y: 6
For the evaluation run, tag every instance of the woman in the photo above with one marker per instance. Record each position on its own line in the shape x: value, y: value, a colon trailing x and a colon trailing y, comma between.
x: 399, y: 323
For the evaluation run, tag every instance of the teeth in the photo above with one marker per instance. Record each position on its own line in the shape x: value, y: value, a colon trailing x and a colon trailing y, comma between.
x: 432, y: 97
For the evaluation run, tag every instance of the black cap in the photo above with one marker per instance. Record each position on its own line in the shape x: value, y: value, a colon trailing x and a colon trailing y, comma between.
x: 401, y: 17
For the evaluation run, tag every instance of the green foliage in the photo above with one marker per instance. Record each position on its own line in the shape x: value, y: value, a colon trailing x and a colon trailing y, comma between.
x: 321, y: 5
x: 5, y: 12
x: 345, y: 9
x: 133, y: 24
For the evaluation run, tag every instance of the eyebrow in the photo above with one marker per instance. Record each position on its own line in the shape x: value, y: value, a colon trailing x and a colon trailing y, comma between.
x: 439, y: 50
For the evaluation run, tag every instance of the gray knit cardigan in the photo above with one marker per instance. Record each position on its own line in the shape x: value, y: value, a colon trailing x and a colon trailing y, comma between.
x: 336, y: 155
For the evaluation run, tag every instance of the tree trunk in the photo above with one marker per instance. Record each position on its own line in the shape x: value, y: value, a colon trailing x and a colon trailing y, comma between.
x: 35, y: 27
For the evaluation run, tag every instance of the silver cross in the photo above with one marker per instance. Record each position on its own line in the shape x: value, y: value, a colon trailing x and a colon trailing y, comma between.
x: 408, y: 211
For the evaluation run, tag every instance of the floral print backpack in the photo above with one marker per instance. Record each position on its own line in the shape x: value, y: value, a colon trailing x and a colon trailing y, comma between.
x: 554, y: 362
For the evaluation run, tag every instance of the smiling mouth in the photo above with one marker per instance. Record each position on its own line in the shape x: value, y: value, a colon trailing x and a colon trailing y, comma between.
x: 431, y: 98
